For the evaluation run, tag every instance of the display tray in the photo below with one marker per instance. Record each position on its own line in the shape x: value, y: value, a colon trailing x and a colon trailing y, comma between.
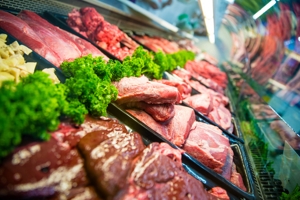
x: 207, y: 176
x: 60, y: 21
x: 42, y: 63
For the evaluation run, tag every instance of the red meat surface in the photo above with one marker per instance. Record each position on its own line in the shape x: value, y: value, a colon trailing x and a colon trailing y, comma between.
x: 200, y: 102
x: 24, y: 33
x: 159, y: 112
x: 134, y: 89
x: 207, y: 144
x: 59, y: 43
x: 183, y: 88
x: 207, y: 70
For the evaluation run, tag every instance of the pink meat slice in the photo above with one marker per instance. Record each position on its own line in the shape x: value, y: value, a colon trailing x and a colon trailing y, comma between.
x: 24, y: 33
x: 183, y: 88
x: 209, y: 146
x: 237, y: 179
x: 159, y: 112
x: 134, y: 89
x: 180, y: 125
x: 200, y: 102
x: 221, y: 116
x: 58, y: 42
x: 86, y: 47
x: 149, y: 121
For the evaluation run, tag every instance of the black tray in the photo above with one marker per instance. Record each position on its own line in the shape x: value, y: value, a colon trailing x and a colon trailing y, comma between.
x: 60, y: 21
x: 207, y: 176
x: 42, y: 63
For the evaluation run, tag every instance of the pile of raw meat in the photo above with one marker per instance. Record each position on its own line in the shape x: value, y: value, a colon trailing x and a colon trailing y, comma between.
x: 88, y: 22
x: 211, y: 100
x: 158, y: 44
x: 49, y: 41
x: 154, y: 104
x: 98, y: 160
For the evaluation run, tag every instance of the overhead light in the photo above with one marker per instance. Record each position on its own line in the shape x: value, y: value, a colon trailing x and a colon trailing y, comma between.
x: 211, y: 38
x: 207, y: 8
x: 209, y: 23
x: 264, y: 9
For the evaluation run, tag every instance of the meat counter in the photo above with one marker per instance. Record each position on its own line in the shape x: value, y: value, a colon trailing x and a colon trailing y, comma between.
x: 232, y: 143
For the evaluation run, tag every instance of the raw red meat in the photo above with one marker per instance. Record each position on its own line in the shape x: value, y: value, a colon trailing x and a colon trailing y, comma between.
x: 200, y: 102
x: 159, y: 112
x: 151, y: 123
x: 107, y: 153
x: 134, y: 89
x: 176, y: 130
x: 207, y: 70
x: 183, y: 74
x: 157, y: 176
x: 24, y: 33
x: 158, y: 44
x: 183, y: 88
x: 180, y: 125
x: 219, y: 193
x: 207, y: 144
x: 236, y: 178
x: 66, y: 49
x: 40, y: 169
x: 221, y: 116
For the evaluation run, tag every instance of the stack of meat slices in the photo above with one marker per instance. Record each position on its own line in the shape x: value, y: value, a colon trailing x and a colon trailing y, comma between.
x: 154, y: 104
x: 158, y: 44
x: 49, y: 41
x: 88, y: 22
x: 210, y: 102
x: 99, y: 160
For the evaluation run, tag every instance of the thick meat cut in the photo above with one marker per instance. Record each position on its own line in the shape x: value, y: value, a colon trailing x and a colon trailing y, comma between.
x: 159, y: 112
x: 221, y: 116
x: 134, y: 89
x: 150, y: 122
x: 88, y: 22
x: 180, y: 125
x: 183, y: 88
x: 24, y: 33
x: 156, y: 175
x: 176, y: 130
x: 108, y: 153
x: 40, y: 169
x: 207, y: 144
x: 200, y: 102
x: 66, y: 49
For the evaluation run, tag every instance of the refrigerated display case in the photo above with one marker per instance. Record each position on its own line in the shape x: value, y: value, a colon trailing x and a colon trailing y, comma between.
x: 265, y: 112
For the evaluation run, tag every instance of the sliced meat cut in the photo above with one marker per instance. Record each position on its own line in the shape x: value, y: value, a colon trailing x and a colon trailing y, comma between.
x: 157, y: 176
x: 108, y: 153
x: 206, y: 143
x: 221, y: 116
x: 39, y: 169
x: 24, y: 33
x: 149, y: 121
x: 60, y: 44
x: 200, y: 102
x: 183, y: 88
x: 159, y: 112
x: 236, y: 178
x: 180, y: 125
x: 176, y: 130
x: 134, y: 89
